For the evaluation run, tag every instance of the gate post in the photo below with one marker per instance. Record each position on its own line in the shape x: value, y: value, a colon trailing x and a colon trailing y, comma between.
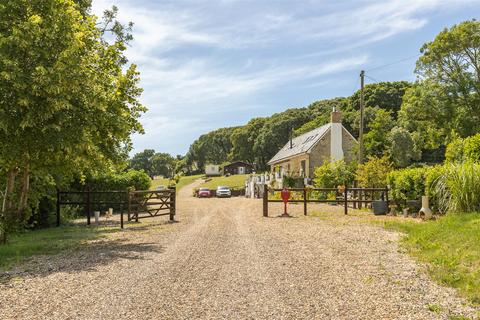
x: 173, y: 200
x: 265, y: 200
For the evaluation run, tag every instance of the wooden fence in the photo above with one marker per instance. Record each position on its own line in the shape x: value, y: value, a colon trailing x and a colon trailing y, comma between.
x: 358, y: 197
x: 139, y: 204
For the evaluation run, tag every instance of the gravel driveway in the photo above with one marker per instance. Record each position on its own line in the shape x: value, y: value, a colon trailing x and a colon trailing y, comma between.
x: 223, y: 260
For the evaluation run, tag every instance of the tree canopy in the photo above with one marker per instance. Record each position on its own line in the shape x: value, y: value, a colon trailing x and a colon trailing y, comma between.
x: 68, y: 98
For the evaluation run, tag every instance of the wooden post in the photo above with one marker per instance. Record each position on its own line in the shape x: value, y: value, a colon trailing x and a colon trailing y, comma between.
x: 58, y: 208
x: 386, y: 197
x: 305, y: 201
x: 88, y: 207
x: 345, y: 199
x: 265, y: 200
x: 360, y: 197
x: 172, y: 203
x: 355, y: 194
x: 129, y: 207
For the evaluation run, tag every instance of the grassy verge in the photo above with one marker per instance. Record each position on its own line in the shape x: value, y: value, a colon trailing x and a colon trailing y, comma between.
x: 184, y: 180
x: 451, y: 248
x: 159, y: 182
x: 235, y: 181
x: 47, y: 241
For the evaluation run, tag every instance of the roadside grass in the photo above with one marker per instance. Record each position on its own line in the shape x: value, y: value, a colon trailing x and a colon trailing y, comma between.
x: 234, y: 181
x: 450, y: 246
x: 49, y: 241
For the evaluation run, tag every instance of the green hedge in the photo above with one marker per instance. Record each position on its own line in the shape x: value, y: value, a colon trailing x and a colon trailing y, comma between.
x: 131, y: 179
x: 413, y: 183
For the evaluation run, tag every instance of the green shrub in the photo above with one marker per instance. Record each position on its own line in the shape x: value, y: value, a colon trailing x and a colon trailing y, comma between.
x: 373, y: 173
x: 333, y: 174
x: 407, y: 184
x: 131, y: 179
x: 464, y: 150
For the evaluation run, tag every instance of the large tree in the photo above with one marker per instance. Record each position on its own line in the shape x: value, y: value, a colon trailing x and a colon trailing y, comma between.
x: 445, y: 102
x: 68, y: 99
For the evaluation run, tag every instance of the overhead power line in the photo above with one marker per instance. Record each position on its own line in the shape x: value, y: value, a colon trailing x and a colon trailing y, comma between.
x: 394, y: 62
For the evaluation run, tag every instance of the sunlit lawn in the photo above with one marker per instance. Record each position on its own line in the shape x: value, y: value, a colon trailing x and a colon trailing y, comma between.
x: 235, y: 181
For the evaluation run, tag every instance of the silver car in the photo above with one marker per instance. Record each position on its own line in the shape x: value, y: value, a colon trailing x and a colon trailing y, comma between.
x: 223, y: 192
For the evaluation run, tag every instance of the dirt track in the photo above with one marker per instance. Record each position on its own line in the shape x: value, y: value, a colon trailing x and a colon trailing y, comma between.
x: 223, y: 260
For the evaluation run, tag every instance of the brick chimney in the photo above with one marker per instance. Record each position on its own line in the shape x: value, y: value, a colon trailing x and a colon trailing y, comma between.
x: 336, y: 116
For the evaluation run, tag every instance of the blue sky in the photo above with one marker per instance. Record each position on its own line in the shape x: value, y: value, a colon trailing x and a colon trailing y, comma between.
x: 207, y: 64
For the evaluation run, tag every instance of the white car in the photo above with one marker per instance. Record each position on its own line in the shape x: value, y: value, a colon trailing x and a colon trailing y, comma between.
x: 223, y: 192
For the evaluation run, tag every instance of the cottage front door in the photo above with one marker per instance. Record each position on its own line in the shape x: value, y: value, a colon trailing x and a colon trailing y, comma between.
x: 241, y: 170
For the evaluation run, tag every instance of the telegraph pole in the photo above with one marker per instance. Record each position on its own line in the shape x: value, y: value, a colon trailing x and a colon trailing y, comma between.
x: 360, y: 135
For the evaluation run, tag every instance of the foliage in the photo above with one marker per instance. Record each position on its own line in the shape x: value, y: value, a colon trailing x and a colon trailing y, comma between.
x: 68, y: 103
x: 407, y: 184
x: 445, y: 103
x: 373, y: 173
x: 458, y: 188
x: 460, y: 150
x: 376, y: 140
x: 131, y: 179
x: 451, y: 247
x: 332, y: 174
x: 154, y: 164
x: 402, y: 147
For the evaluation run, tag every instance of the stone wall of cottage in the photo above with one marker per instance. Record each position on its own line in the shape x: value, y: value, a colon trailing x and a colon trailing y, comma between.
x: 320, y: 153
x: 350, y: 146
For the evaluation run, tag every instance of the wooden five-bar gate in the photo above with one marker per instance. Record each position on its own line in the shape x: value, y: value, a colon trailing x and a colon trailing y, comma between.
x: 345, y: 196
x: 138, y: 204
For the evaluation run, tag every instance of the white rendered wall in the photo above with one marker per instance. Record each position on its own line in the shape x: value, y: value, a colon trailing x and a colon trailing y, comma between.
x: 336, y: 150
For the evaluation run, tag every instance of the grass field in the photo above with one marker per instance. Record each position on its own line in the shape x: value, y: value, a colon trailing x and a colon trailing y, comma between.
x: 47, y: 241
x: 451, y: 248
x: 235, y: 181
x: 184, y: 180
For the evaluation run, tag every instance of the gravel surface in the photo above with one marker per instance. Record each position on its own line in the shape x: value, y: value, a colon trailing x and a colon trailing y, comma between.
x: 223, y: 260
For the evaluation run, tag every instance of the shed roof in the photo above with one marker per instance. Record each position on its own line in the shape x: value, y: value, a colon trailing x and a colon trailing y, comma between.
x: 300, y: 144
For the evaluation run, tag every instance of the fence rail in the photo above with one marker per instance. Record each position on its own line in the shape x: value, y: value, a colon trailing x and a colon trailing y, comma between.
x: 139, y: 204
x: 360, y: 196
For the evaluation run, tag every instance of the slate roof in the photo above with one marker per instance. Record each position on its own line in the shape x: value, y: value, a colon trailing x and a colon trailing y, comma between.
x: 301, y: 144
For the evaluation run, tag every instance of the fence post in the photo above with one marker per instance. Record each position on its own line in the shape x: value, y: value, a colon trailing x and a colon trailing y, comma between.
x: 58, y: 208
x: 345, y: 199
x: 386, y: 196
x: 88, y: 206
x: 305, y: 201
x: 355, y: 194
x: 173, y: 198
x: 265, y: 200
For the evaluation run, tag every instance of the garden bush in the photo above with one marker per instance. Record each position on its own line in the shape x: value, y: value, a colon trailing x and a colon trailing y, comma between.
x: 373, y: 173
x: 131, y: 179
x: 407, y: 184
x: 464, y: 150
x: 333, y: 174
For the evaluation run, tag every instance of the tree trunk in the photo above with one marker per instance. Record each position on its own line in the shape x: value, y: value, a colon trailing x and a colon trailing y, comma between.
x: 11, y: 175
x: 7, y: 203
x: 22, y: 206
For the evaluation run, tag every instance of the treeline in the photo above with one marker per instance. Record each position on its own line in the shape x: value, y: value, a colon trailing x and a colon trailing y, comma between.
x: 406, y: 122
x: 69, y: 101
